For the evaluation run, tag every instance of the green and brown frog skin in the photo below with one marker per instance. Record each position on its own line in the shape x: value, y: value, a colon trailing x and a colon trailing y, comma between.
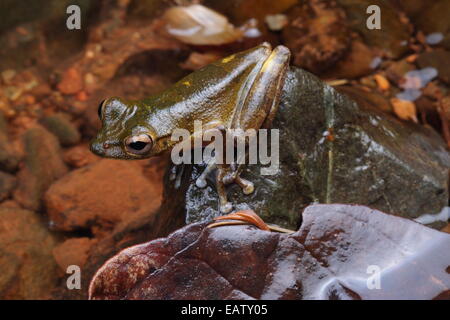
x: 241, y: 91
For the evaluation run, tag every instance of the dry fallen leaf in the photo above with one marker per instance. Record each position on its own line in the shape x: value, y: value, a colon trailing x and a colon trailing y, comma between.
x: 248, y: 216
x: 199, y: 25
x: 382, y: 82
x: 404, y: 109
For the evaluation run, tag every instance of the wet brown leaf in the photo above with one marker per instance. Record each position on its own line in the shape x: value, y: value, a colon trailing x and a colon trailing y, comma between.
x: 338, y: 253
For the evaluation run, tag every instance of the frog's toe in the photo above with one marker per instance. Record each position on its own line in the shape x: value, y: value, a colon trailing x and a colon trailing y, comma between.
x: 173, y: 173
x: 247, y: 186
x: 229, y: 178
x: 226, y: 207
x: 201, y: 182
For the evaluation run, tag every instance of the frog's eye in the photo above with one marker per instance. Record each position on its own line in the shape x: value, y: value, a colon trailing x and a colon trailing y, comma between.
x: 100, y: 109
x: 139, y: 144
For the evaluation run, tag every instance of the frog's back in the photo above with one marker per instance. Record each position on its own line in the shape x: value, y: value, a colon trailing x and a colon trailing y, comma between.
x: 212, y: 93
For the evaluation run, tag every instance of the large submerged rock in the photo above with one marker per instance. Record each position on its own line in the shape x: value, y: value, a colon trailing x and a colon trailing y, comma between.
x: 28, y: 268
x: 333, y: 150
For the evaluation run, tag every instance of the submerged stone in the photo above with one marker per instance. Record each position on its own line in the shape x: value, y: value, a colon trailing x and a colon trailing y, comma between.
x: 332, y: 150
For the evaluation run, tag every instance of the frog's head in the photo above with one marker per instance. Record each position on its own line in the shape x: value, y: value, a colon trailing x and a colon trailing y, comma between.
x: 124, y: 134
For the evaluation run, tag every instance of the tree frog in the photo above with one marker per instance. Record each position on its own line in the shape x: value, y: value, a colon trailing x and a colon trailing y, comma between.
x: 241, y: 91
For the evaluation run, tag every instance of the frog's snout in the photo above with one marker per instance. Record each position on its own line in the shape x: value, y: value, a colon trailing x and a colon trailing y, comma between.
x: 97, y: 148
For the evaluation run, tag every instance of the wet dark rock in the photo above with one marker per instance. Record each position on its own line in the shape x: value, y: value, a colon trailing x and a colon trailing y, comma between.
x: 333, y: 150
x: 356, y: 63
x: 316, y: 35
x: 434, y: 18
x: 147, y: 9
x: 37, y: 21
x: 63, y: 129
x: 334, y: 255
x: 397, y: 69
x: 393, y: 36
x: 370, y: 99
x: 8, y: 158
x: 7, y: 184
x: 43, y: 165
x: 28, y: 268
x: 412, y: 8
x: 239, y: 11
x: 438, y: 59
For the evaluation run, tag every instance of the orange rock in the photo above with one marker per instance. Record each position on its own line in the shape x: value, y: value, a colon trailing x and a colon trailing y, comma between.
x: 73, y: 252
x: 72, y: 82
x: 82, y: 96
x: 29, y: 99
x: 102, y: 195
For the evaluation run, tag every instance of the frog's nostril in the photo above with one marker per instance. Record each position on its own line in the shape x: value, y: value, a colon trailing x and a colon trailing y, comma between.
x: 106, y: 145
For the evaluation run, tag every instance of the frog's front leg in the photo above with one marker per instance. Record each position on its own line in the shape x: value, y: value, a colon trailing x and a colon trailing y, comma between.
x: 224, y: 204
x: 226, y: 174
x: 176, y: 173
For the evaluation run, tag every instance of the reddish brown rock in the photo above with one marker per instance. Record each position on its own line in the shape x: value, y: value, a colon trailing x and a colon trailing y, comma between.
x: 7, y: 184
x: 336, y: 254
x: 101, y: 195
x: 79, y: 156
x: 356, y: 63
x: 71, y: 82
x: 28, y: 270
x: 73, y: 251
x: 43, y: 165
x: 316, y: 35
x: 8, y: 157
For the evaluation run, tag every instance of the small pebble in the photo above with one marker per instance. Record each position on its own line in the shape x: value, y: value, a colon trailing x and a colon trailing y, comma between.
x: 252, y: 33
x: 276, y: 22
x: 434, y: 38
x: 82, y: 96
x: 375, y: 63
x: 409, y: 95
x: 8, y: 75
x: 382, y: 82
